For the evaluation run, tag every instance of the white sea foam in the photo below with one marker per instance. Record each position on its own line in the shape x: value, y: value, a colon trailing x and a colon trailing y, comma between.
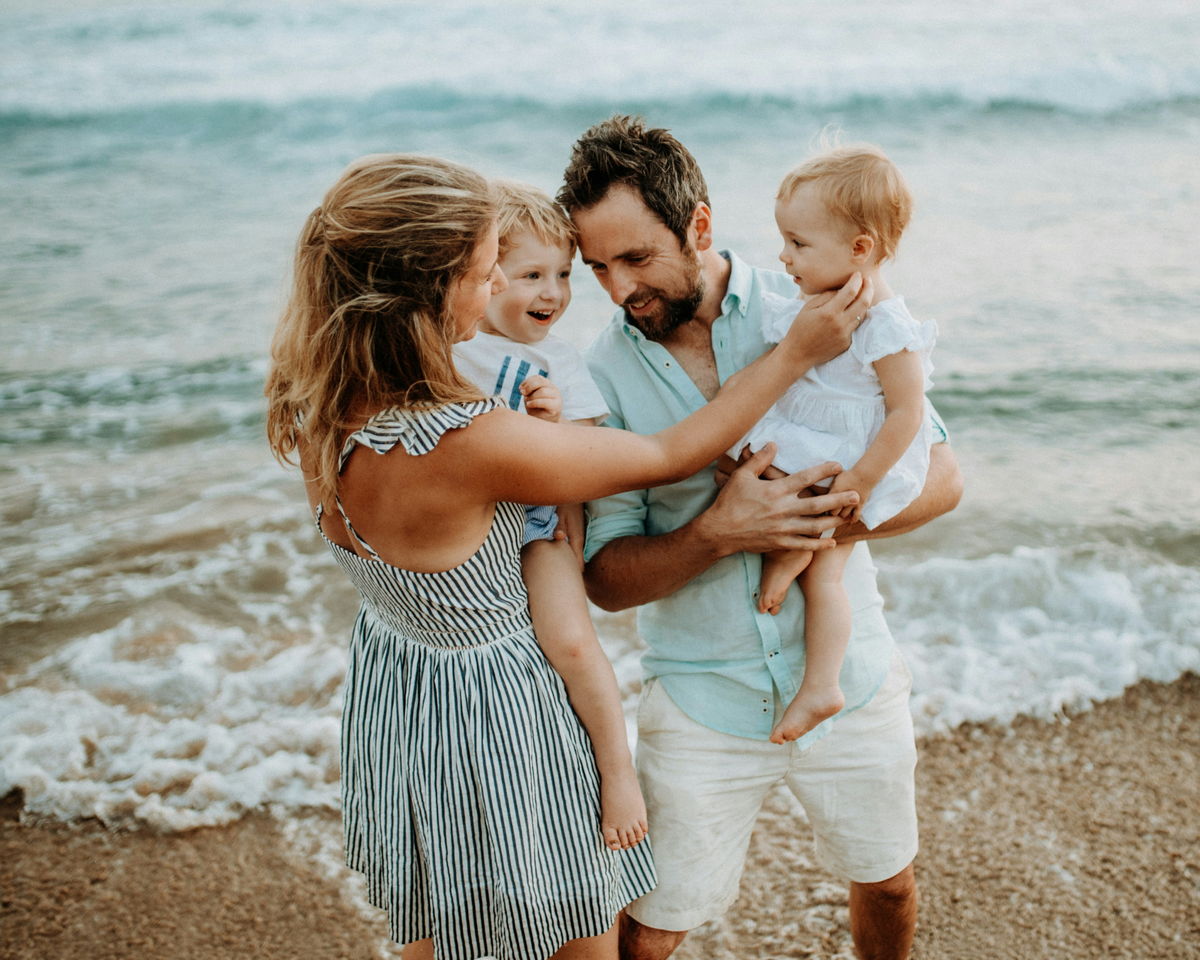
x: 1078, y: 56
x: 179, y: 727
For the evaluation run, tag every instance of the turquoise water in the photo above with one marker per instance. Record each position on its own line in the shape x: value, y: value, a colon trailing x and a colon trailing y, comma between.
x: 162, y: 593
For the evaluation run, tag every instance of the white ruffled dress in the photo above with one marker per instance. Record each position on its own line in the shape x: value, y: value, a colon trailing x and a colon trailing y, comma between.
x: 836, y: 409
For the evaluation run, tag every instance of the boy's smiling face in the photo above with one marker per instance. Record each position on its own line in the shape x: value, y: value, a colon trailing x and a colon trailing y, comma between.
x: 818, y: 251
x: 539, y: 289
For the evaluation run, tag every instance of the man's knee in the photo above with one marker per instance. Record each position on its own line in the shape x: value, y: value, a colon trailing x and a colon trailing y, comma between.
x: 903, y: 886
x: 639, y: 942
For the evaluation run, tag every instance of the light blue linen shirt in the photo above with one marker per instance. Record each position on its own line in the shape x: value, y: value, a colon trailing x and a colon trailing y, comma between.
x: 719, y: 658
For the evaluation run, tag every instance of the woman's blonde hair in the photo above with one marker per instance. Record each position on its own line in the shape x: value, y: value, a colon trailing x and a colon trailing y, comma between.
x: 861, y: 187
x: 367, y: 324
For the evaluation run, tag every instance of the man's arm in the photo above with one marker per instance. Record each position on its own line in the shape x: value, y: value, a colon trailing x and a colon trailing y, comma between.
x: 753, y: 515
x: 750, y: 514
x: 941, y: 493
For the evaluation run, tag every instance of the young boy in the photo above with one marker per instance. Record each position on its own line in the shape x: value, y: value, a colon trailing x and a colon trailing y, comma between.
x: 514, y: 355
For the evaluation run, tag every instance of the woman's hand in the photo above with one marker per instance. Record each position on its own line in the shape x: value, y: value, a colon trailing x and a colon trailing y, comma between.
x: 823, y: 327
x: 542, y: 399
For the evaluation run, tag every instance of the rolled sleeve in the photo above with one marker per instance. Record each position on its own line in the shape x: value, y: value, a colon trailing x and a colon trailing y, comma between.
x: 622, y: 515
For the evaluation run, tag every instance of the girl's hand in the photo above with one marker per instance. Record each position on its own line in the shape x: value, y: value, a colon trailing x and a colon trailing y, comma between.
x: 849, y: 480
x: 542, y: 399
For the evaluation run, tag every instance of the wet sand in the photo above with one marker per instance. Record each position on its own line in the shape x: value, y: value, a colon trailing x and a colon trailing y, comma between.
x: 1072, y: 839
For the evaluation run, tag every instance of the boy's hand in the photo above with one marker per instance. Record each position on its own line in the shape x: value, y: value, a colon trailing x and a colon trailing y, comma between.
x: 542, y: 399
x: 849, y: 480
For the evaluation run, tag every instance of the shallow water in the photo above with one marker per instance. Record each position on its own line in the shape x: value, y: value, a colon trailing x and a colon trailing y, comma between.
x: 173, y: 630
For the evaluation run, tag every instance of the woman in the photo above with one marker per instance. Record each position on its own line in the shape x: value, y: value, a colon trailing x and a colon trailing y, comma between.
x: 470, y: 795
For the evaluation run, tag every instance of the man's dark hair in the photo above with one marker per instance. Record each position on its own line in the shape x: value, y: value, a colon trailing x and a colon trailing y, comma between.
x: 648, y: 159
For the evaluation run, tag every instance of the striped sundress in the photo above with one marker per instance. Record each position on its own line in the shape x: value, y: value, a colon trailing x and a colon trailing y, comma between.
x: 469, y: 789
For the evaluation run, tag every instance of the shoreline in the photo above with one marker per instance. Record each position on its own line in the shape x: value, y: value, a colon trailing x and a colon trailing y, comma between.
x: 1073, y: 838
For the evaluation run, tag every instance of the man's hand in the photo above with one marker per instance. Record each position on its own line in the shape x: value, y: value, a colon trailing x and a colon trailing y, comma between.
x: 542, y: 399
x: 756, y: 515
x: 823, y: 327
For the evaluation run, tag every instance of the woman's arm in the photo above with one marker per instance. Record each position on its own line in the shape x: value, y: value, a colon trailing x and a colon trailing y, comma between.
x: 506, y: 456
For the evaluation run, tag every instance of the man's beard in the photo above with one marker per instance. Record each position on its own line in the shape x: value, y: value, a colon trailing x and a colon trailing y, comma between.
x: 674, y: 312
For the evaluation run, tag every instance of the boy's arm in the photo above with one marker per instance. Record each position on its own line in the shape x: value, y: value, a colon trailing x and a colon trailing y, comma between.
x: 571, y: 522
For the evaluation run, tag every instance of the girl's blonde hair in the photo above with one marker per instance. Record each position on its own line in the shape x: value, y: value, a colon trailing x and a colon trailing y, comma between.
x: 367, y: 324
x: 860, y: 186
x: 521, y: 206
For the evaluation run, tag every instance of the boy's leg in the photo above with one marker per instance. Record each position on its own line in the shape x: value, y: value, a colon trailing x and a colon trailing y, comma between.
x: 827, y: 624
x: 563, y: 626
x: 779, y: 569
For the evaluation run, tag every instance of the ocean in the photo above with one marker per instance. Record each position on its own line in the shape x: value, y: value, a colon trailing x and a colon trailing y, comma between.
x: 173, y: 631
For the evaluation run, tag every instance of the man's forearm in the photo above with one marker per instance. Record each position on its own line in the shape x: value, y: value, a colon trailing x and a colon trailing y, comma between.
x: 634, y: 570
x: 943, y: 489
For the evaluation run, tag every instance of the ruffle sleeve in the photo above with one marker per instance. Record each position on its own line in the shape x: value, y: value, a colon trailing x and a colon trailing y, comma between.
x: 890, y: 328
x: 777, y: 315
x: 418, y: 431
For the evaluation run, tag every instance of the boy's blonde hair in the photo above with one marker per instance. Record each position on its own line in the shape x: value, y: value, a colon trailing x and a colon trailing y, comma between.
x: 525, y: 207
x: 860, y: 186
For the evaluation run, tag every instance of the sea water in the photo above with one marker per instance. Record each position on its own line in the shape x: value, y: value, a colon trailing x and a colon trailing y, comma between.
x: 174, y: 632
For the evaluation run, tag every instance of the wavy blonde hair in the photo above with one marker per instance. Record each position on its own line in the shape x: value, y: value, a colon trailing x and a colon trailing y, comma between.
x: 861, y: 187
x: 367, y: 325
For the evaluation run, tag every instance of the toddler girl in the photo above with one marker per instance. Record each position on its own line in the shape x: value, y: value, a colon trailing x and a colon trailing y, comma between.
x: 839, y: 213
x: 514, y: 355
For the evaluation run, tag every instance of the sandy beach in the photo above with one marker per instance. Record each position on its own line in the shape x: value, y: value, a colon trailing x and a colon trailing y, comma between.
x: 1079, y: 838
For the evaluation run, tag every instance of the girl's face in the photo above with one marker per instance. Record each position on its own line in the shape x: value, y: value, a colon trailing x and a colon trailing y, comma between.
x: 818, y: 250
x: 472, y: 292
x: 539, y: 289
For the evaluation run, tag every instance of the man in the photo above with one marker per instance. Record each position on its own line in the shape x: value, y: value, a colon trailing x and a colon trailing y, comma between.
x: 718, y: 672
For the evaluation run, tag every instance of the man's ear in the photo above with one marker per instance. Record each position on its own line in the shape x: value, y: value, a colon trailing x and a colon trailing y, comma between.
x: 701, y: 227
x: 861, y: 248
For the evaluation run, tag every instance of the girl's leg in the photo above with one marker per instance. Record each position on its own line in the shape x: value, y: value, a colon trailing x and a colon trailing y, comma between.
x: 779, y: 569
x: 826, y: 632
x: 564, y: 630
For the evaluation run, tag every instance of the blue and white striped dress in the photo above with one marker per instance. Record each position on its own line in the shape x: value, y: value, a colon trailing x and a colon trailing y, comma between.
x: 469, y: 789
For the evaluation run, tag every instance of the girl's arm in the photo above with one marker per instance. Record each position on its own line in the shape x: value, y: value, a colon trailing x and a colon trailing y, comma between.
x: 903, y: 383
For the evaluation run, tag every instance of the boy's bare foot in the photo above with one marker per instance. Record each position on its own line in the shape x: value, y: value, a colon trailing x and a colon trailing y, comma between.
x: 811, y: 705
x: 622, y: 809
x: 779, y: 569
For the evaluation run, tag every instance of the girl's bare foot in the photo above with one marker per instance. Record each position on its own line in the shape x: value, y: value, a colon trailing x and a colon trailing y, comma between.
x: 622, y: 809
x: 811, y: 705
x: 779, y: 569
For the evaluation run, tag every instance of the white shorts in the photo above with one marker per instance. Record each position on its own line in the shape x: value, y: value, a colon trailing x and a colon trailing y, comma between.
x: 704, y: 790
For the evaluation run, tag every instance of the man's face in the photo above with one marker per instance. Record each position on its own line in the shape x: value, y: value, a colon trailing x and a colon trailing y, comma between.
x: 639, y: 262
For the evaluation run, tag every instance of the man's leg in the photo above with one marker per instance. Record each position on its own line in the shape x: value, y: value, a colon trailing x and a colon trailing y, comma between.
x: 856, y: 786
x: 883, y: 916
x: 639, y: 942
x: 703, y: 790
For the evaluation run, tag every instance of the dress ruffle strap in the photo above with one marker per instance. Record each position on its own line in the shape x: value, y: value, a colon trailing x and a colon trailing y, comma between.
x: 417, y: 430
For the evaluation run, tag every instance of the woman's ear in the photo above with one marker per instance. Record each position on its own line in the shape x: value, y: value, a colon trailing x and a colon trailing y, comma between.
x: 862, y: 247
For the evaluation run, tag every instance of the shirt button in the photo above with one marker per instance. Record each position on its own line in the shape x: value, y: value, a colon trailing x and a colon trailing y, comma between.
x: 667, y: 363
x: 755, y: 594
x: 769, y: 655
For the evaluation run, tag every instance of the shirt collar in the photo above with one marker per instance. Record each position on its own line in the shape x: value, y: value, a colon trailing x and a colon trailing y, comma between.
x: 737, y: 293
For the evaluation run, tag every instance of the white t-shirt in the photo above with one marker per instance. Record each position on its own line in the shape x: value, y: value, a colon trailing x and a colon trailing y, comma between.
x: 498, y: 366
